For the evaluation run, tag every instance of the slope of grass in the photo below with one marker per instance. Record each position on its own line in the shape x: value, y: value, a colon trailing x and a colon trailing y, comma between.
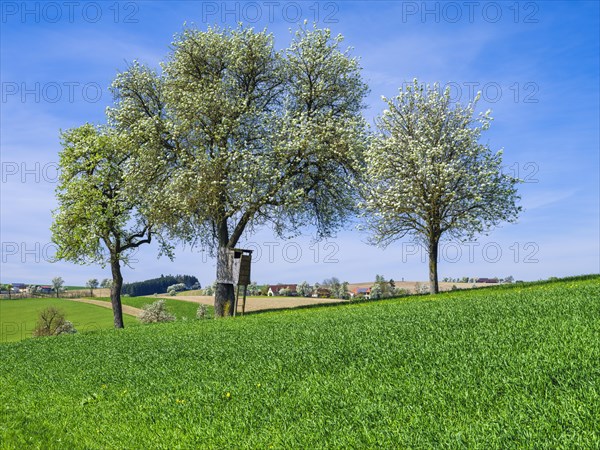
x: 180, y: 308
x: 191, y: 292
x: 489, y: 368
x: 18, y: 317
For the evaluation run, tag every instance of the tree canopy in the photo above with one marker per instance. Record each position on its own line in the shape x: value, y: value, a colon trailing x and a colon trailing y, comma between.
x: 97, y: 219
x: 428, y: 175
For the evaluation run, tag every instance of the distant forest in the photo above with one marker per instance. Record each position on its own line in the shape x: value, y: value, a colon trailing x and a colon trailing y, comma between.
x: 159, y: 285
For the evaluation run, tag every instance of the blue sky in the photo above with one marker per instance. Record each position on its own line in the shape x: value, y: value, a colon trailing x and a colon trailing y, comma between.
x: 537, y: 64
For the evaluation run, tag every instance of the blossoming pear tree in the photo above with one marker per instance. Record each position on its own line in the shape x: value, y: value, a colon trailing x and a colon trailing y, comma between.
x: 96, y: 220
x: 430, y: 178
x: 232, y: 135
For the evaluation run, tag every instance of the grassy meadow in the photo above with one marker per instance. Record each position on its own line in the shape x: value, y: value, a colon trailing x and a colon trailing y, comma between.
x: 179, y: 308
x: 501, y: 367
x: 18, y: 317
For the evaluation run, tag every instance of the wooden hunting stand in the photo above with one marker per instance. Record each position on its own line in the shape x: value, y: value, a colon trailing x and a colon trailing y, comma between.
x: 241, y: 261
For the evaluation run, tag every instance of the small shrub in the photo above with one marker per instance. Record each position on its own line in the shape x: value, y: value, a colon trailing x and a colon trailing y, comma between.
x: 201, y: 312
x: 376, y: 292
x: 422, y: 288
x: 175, y: 288
x: 66, y: 328
x: 208, y: 290
x: 304, y: 289
x: 286, y: 292
x: 156, y: 312
x: 52, y: 322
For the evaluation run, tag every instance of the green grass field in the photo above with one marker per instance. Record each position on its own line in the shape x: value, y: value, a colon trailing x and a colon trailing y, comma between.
x: 179, y: 308
x: 491, y: 368
x: 18, y: 317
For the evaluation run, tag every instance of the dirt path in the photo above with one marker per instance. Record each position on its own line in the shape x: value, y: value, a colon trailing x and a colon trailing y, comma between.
x: 260, y: 303
x: 252, y: 303
x: 129, y: 310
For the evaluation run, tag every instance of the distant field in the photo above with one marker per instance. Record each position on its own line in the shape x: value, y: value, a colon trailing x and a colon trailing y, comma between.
x: 18, y: 317
x: 409, y: 286
x: 261, y: 302
x: 199, y: 293
x: 85, y: 292
x: 504, y: 367
x: 191, y: 292
x: 179, y: 308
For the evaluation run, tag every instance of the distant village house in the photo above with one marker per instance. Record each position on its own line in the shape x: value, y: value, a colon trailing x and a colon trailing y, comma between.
x: 486, y: 280
x: 361, y: 292
x: 275, y: 288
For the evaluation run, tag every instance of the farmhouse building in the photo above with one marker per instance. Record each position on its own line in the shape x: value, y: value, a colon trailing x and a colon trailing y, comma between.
x: 322, y: 293
x: 275, y: 288
x: 486, y: 280
x: 362, y: 291
x: 19, y: 287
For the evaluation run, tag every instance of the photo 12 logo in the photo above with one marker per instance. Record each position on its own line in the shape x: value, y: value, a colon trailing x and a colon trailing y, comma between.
x: 527, y: 172
x: 290, y: 252
x: 14, y: 331
x: 470, y: 12
x: 69, y: 12
x: 253, y: 12
x: 28, y: 252
x: 490, y: 91
x: 51, y: 92
x: 36, y: 172
x: 474, y: 252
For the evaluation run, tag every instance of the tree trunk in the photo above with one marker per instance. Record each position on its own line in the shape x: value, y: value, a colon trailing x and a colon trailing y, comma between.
x: 224, y: 293
x: 115, y: 292
x: 224, y: 299
x: 433, y: 265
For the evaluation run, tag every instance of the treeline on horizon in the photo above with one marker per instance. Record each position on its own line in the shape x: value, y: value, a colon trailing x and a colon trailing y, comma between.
x: 158, y: 285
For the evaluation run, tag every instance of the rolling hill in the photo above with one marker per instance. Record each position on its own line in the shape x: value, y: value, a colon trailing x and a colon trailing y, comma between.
x: 502, y: 367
